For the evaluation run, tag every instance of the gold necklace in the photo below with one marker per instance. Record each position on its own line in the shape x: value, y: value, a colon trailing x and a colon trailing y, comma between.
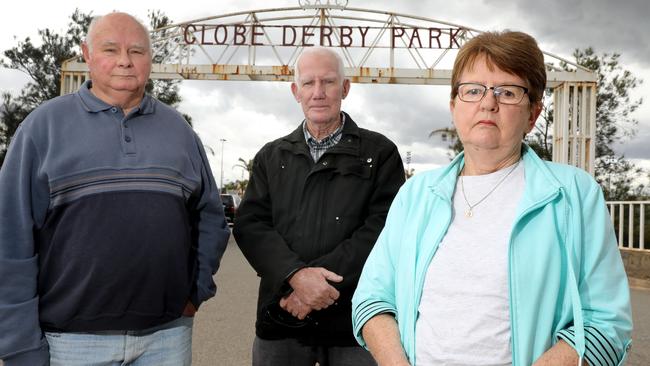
x: 470, y: 207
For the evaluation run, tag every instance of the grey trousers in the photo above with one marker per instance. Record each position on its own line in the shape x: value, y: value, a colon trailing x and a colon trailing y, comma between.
x: 289, y: 352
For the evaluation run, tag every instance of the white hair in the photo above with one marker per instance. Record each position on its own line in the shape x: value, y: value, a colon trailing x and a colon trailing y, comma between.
x: 98, y: 18
x: 321, y: 51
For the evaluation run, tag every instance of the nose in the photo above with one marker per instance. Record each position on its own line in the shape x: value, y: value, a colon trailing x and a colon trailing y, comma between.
x: 124, y: 59
x: 489, y: 101
x: 319, y: 90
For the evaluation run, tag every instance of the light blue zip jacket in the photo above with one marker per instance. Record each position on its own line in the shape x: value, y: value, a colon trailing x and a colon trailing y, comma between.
x: 566, y: 277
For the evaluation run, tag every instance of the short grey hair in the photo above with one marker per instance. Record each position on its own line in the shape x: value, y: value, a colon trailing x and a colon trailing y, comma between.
x: 322, y: 51
x: 98, y: 18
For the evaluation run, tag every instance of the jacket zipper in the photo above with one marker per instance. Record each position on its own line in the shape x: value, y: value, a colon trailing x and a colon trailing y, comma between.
x: 428, y: 262
x: 513, y: 328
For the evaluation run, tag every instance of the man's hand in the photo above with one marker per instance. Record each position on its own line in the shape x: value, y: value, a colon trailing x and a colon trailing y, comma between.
x: 293, y: 305
x: 312, y: 289
x: 189, y: 310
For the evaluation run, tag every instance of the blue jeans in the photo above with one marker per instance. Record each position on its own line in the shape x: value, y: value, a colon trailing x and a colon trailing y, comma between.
x: 166, y: 345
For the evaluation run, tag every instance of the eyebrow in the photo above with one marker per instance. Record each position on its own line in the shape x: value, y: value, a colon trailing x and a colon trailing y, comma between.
x: 115, y: 44
x: 314, y: 77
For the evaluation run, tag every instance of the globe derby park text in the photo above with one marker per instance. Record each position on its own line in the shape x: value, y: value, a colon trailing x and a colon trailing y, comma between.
x: 326, y: 36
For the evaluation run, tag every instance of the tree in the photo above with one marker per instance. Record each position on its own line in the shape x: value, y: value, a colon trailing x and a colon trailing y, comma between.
x: 614, y: 123
x: 540, y: 139
x: 43, y: 66
x: 11, y: 114
x: 164, y: 90
x: 238, y: 186
x: 449, y: 134
x: 246, y: 165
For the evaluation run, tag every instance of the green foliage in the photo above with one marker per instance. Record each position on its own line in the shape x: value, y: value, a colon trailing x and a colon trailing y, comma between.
x: 164, y: 90
x: 617, y: 178
x: 42, y: 64
x: 614, y: 123
x: 11, y: 114
x: 246, y: 165
x: 449, y: 134
x: 540, y: 139
x: 238, y: 186
x: 614, y: 105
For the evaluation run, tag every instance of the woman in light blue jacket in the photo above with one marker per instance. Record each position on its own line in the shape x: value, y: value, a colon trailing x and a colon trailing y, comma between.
x: 499, y: 258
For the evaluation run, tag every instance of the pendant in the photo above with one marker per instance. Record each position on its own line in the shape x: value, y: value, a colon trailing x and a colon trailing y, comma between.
x: 468, y: 213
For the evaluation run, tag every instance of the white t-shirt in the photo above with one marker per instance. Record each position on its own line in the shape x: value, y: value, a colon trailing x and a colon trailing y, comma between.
x: 464, y: 313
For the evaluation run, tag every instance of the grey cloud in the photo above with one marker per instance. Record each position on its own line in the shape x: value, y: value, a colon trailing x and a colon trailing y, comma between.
x: 636, y: 148
x: 608, y: 26
x: 408, y: 112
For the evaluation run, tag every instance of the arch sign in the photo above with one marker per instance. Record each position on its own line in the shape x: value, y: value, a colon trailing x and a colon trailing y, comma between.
x: 376, y: 46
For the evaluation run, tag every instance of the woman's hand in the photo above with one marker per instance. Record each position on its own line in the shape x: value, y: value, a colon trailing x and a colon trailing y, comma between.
x: 561, y: 354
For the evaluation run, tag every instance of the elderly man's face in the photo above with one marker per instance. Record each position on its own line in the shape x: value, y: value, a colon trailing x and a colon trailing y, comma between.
x: 119, y: 58
x: 320, y: 89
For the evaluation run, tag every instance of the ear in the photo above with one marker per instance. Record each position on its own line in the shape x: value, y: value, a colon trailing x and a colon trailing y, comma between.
x: 535, y: 111
x: 346, y: 87
x: 85, y: 52
x: 294, y: 90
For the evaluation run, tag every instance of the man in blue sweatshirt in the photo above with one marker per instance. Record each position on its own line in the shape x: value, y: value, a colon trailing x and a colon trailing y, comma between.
x: 111, y: 226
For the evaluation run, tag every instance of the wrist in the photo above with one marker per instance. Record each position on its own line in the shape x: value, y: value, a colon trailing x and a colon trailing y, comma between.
x: 291, y: 277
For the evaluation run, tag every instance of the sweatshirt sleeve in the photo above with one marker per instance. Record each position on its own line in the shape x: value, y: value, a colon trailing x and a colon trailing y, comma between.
x: 603, y: 286
x: 24, y: 198
x: 211, y: 230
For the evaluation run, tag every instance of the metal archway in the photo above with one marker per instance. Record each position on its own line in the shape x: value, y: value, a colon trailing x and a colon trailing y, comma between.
x: 376, y: 46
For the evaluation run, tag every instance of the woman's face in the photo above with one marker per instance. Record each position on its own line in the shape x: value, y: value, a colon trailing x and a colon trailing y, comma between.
x: 487, y: 125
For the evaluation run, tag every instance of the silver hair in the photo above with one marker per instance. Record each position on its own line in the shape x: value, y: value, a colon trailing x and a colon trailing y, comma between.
x: 98, y: 18
x: 319, y: 50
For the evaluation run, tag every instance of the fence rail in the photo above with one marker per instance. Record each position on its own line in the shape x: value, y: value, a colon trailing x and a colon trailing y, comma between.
x: 631, y: 223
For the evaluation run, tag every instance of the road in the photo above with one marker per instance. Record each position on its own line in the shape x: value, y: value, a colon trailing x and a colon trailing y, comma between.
x: 223, y: 328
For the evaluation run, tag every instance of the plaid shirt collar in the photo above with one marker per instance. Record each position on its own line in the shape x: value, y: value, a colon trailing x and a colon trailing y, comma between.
x: 318, y: 148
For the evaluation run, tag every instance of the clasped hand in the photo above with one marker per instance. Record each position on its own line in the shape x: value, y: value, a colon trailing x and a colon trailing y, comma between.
x: 311, y: 291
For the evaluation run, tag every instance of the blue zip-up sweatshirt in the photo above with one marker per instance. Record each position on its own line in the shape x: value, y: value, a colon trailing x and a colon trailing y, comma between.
x: 107, y: 222
x: 566, y: 276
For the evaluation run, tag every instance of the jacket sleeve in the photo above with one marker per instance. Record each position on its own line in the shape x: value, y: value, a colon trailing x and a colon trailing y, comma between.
x: 603, y: 286
x: 348, y: 257
x: 24, y: 198
x: 375, y: 292
x: 259, y: 241
x: 211, y: 232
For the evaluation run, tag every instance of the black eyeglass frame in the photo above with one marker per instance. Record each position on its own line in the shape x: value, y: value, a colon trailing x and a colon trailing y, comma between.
x: 494, y: 92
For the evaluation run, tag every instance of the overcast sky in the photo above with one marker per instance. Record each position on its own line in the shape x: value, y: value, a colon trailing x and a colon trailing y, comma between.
x: 248, y: 114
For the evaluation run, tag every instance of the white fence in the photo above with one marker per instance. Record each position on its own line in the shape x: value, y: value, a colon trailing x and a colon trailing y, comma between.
x: 629, y: 218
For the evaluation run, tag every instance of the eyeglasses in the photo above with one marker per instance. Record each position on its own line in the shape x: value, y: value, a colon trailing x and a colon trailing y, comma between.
x: 505, y: 94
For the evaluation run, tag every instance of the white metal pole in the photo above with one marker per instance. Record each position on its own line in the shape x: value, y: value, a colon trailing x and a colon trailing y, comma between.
x: 223, y: 141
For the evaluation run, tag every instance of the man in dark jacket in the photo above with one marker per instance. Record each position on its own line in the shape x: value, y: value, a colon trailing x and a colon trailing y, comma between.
x: 315, y: 204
